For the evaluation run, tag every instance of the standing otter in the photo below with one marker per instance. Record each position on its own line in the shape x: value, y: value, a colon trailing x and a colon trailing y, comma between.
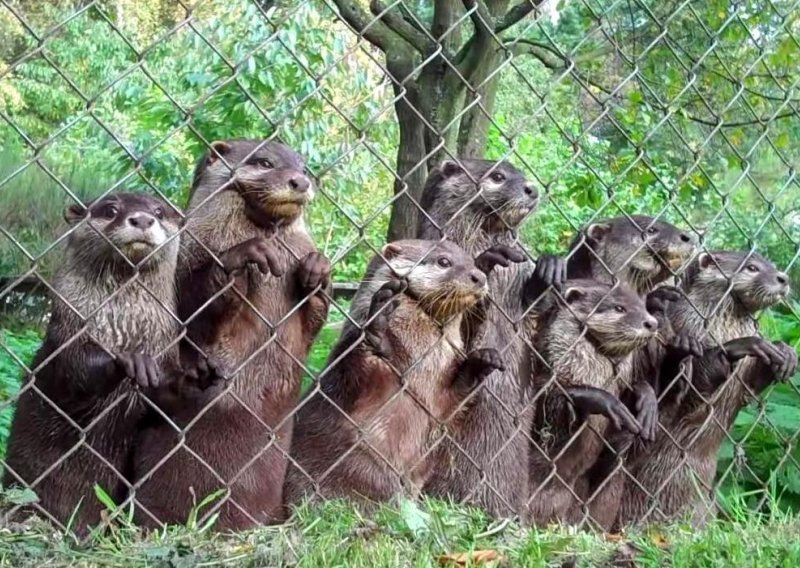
x: 109, y: 339
x: 478, y: 204
x: 643, y: 252
x: 586, y: 347
x: 254, y: 314
x: 370, y: 428
x: 674, y: 475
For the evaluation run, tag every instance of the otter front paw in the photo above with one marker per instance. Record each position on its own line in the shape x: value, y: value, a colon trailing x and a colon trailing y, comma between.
x: 198, y: 370
x: 658, y: 300
x: 140, y: 368
x: 497, y: 255
x: 313, y: 273
x: 257, y: 251
x: 785, y: 365
x: 684, y: 344
x: 383, y: 304
x: 550, y: 271
x: 591, y: 400
x: 646, y: 406
x: 478, y: 365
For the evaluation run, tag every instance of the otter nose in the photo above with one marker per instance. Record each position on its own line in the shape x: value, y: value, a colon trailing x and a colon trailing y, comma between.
x: 299, y: 183
x: 477, y: 277
x: 141, y: 221
x: 685, y: 238
x: 782, y: 278
x: 650, y: 324
x: 530, y: 191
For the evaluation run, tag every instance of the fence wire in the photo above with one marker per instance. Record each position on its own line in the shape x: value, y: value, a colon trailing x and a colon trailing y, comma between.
x: 195, y: 390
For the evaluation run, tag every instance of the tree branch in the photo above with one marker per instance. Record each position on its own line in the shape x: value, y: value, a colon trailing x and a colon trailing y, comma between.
x: 480, y: 16
x: 400, y: 26
x: 546, y: 54
x: 375, y: 32
x: 515, y: 14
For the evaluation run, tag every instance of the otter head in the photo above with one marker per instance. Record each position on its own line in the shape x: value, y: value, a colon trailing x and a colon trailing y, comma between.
x: 615, y: 317
x: 753, y: 281
x: 135, y: 225
x: 441, y: 276
x: 644, y: 248
x: 271, y: 178
x: 495, y: 193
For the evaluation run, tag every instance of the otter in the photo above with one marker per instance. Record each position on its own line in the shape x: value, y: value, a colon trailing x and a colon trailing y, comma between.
x: 371, y: 428
x: 643, y: 252
x: 253, y: 314
x: 586, y: 348
x: 479, y: 204
x: 674, y: 475
x: 109, y: 343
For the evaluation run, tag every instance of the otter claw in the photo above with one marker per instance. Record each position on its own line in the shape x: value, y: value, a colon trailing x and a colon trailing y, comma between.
x: 139, y: 367
x: 550, y: 271
x: 314, y: 272
x: 254, y: 251
x: 498, y: 255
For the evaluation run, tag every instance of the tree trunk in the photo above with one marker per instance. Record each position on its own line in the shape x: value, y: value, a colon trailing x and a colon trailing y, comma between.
x: 412, y: 170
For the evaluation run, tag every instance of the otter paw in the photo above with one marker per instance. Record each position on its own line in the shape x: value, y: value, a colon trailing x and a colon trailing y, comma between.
x: 592, y: 400
x: 550, y: 271
x: 498, y: 255
x: 383, y: 304
x: 758, y: 347
x: 483, y: 362
x: 256, y: 251
x: 200, y: 371
x: 657, y: 301
x: 685, y: 344
x: 314, y: 272
x: 786, y: 364
x: 646, y: 406
x: 140, y: 368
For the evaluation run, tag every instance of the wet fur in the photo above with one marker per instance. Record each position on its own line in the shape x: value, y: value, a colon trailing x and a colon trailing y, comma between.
x: 396, y: 404
x: 580, y: 343
x: 124, y: 312
x: 700, y: 421
x: 487, y: 464
x: 240, y: 430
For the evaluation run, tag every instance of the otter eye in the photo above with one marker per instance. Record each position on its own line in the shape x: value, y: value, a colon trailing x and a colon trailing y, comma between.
x: 751, y: 268
x: 620, y: 309
x: 159, y: 213
x: 652, y: 231
x: 444, y: 262
x: 264, y: 163
x: 497, y: 177
x: 110, y: 211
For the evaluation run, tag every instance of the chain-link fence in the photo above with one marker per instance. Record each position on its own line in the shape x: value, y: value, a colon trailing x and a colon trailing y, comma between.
x: 597, y: 328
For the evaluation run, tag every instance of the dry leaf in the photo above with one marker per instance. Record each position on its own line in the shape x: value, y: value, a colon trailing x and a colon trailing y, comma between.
x: 473, y: 558
x: 659, y: 540
x: 615, y: 537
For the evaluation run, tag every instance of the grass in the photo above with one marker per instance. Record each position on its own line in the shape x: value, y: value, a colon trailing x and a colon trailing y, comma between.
x: 407, y: 534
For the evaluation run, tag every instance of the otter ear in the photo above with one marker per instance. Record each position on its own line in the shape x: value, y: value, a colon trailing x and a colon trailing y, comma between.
x: 449, y: 168
x: 391, y: 250
x: 218, y: 148
x: 74, y: 213
x: 573, y: 294
x: 597, y: 231
x: 704, y: 260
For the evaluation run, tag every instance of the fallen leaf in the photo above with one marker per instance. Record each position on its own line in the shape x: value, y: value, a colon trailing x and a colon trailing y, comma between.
x: 471, y: 558
x: 659, y: 540
x: 615, y: 537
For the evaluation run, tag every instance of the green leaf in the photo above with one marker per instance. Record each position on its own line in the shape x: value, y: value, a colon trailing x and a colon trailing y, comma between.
x: 417, y: 520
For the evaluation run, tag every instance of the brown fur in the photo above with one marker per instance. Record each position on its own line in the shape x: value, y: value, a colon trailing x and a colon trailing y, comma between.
x: 370, y: 429
x: 643, y: 252
x: 238, y: 435
x: 486, y: 463
x: 103, y: 307
x: 585, y: 341
x: 725, y: 298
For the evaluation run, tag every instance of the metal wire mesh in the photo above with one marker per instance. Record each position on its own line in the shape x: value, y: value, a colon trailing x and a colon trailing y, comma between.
x: 690, y: 108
